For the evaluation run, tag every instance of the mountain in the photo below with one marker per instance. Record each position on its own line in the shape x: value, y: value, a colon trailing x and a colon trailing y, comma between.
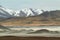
x: 7, y: 13
x: 47, y: 18
x: 29, y: 17
x: 29, y: 12
x: 51, y: 15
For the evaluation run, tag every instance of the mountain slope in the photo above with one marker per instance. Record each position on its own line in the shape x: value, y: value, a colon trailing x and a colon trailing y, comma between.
x: 47, y: 18
x: 51, y: 15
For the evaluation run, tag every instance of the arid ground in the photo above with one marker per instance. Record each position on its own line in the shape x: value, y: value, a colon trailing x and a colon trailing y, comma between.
x: 28, y: 38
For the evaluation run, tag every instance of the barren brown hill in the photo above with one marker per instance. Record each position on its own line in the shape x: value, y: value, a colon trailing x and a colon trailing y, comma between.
x: 46, y: 18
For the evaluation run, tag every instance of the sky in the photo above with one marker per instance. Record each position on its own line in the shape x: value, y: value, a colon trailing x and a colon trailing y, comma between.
x: 38, y: 4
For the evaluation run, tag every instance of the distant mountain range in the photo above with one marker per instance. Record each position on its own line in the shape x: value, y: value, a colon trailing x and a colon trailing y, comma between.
x: 7, y: 13
x: 29, y: 17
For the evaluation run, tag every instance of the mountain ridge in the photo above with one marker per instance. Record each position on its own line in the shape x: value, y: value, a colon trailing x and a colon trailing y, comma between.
x: 5, y: 12
x: 29, y: 17
x: 44, y: 19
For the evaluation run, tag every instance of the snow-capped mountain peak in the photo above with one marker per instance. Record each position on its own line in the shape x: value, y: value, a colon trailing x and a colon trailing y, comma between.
x: 19, y: 13
x: 28, y: 12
